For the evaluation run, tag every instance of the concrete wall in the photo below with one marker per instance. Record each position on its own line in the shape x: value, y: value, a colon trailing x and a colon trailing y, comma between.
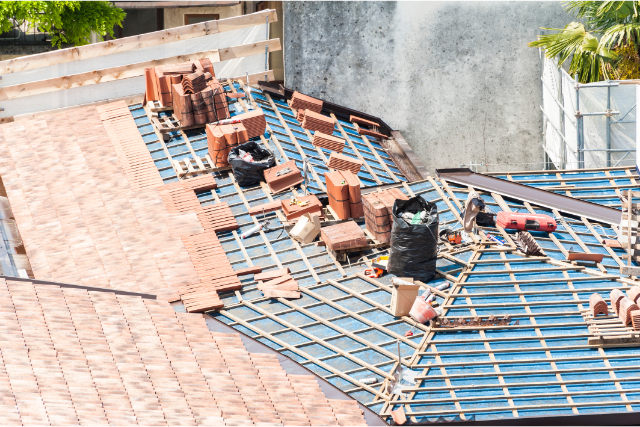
x: 457, y: 79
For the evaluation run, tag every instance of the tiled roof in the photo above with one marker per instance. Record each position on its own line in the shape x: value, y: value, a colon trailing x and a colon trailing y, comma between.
x: 76, y: 356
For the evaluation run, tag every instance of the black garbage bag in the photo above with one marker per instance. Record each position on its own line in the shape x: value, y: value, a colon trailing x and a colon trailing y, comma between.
x: 414, y: 247
x: 250, y: 173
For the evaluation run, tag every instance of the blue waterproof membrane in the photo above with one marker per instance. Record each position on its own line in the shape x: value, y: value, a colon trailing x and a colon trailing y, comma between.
x: 285, y: 148
x: 593, y: 186
x: 531, y: 363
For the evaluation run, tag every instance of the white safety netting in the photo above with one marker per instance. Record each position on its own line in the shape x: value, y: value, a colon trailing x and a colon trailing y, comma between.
x: 131, y: 86
x: 605, y: 142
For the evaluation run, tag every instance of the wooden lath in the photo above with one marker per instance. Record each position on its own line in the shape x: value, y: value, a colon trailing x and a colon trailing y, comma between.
x: 156, y: 38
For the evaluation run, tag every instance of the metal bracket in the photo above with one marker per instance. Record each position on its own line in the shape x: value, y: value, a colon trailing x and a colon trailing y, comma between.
x: 578, y: 114
x: 608, y: 113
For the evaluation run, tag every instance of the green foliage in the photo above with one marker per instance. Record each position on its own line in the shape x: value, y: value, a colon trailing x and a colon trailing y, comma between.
x: 68, y: 22
x: 596, y: 45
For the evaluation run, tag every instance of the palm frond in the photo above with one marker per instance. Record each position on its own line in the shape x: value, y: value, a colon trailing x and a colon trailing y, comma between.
x: 621, y: 34
x: 598, y: 16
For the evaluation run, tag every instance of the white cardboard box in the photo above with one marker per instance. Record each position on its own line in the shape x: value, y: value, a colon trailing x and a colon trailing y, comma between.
x: 306, y: 229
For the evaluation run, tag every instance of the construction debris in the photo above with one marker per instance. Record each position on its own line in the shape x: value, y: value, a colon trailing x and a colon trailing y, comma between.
x: 281, y: 286
x: 473, y: 323
x: 527, y: 244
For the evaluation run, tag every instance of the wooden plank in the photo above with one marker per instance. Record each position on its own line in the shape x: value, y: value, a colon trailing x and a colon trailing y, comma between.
x: 129, y: 71
x: 125, y: 44
x: 253, y: 78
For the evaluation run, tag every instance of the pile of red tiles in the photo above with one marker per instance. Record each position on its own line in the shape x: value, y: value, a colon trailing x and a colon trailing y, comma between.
x: 598, y: 305
x: 338, y: 193
x: 626, y: 307
x: 294, y: 211
x: 278, y: 284
x: 254, y: 122
x: 195, y: 82
x: 634, y: 293
x: 278, y: 183
x: 341, y: 162
x: 218, y: 217
x: 616, y: 296
x: 317, y: 122
x: 302, y: 102
x: 191, y: 88
x: 635, y: 320
x: 220, y: 140
x: 329, y: 142
x: 346, y: 235
x: 63, y: 367
x: 378, y: 212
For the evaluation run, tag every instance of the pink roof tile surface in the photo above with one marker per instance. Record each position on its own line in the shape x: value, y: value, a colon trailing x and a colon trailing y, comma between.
x: 81, y: 357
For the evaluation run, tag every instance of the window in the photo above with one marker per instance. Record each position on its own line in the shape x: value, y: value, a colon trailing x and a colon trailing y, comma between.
x: 196, y: 18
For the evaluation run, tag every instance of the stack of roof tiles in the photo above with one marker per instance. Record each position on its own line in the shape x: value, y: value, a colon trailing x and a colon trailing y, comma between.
x: 302, y: 102
x: 365, y: 122
x: 195, y: 82
x: 635, y: 320
x: 317, y: 122
x: 294, y: 210
x: 254, y: 122
x: 378, y: 212
x: 329, y: 142
x: 346, y: 235
x: 198, y: 97
x: 624, y: 311
x: 83, y: 357
x: 279, y: 179
x: 634, y: 293
x: 220, y: 140
x: 278, y: 284
x: 616, y: 296
x: 341, y: 162
x: 598, y: 305
x: 338, y: 193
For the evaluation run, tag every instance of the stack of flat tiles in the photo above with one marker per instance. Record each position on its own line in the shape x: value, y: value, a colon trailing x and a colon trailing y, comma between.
x: 278, y: 284
x: 254, y: 122
x: 317, y: 122
x: 302, y: 102
x: 635, y: 320
x: 215, y: 272
x: 364, y: 122
x: 217, y: 217
x: 341, y: 162
x: 616, y: 296
x: 329, y: 142
x: 378, y: 212
x: 376, y: 218
x: 626, y: 307
x: 200, y: 183
x: 179, y: 199
x: 634, y: 293
x: 313, y: 207
x: 180, y: 69
x: 346, y: 235
x: 83, y: 357
x: 150, y: 84
x: 182, y: 105
x: 355, y: 197
x: 193, y: 83
x: 221, y: 138
x: 367, y: 132
x: 598, y: 305
x: 283, y: 182
x: 338, y: 193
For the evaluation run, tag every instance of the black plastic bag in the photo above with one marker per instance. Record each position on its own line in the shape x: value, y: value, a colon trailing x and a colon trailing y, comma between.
x: 250, y: 173
x: 414, y: 248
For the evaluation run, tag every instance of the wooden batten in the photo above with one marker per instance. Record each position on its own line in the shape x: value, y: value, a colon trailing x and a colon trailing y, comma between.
x: 156, y: 38
x: 131, y: 70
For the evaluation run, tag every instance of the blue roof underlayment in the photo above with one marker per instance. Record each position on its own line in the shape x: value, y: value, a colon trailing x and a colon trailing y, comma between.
x: 342, y: 328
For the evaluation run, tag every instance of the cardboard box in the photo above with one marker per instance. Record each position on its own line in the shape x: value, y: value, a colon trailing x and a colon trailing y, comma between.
x: 306, y: 229
x: 403, y: 297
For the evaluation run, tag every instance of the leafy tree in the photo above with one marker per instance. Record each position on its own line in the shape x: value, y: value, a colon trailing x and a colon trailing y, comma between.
x: 605, y: 44
x: 68, y: 22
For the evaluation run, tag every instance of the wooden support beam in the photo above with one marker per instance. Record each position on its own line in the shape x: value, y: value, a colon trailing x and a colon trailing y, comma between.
x: 155, y: 38
x: 131, y: 70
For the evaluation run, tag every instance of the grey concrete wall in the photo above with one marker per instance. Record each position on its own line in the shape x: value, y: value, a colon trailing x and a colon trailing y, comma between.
x: 456, y: 78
